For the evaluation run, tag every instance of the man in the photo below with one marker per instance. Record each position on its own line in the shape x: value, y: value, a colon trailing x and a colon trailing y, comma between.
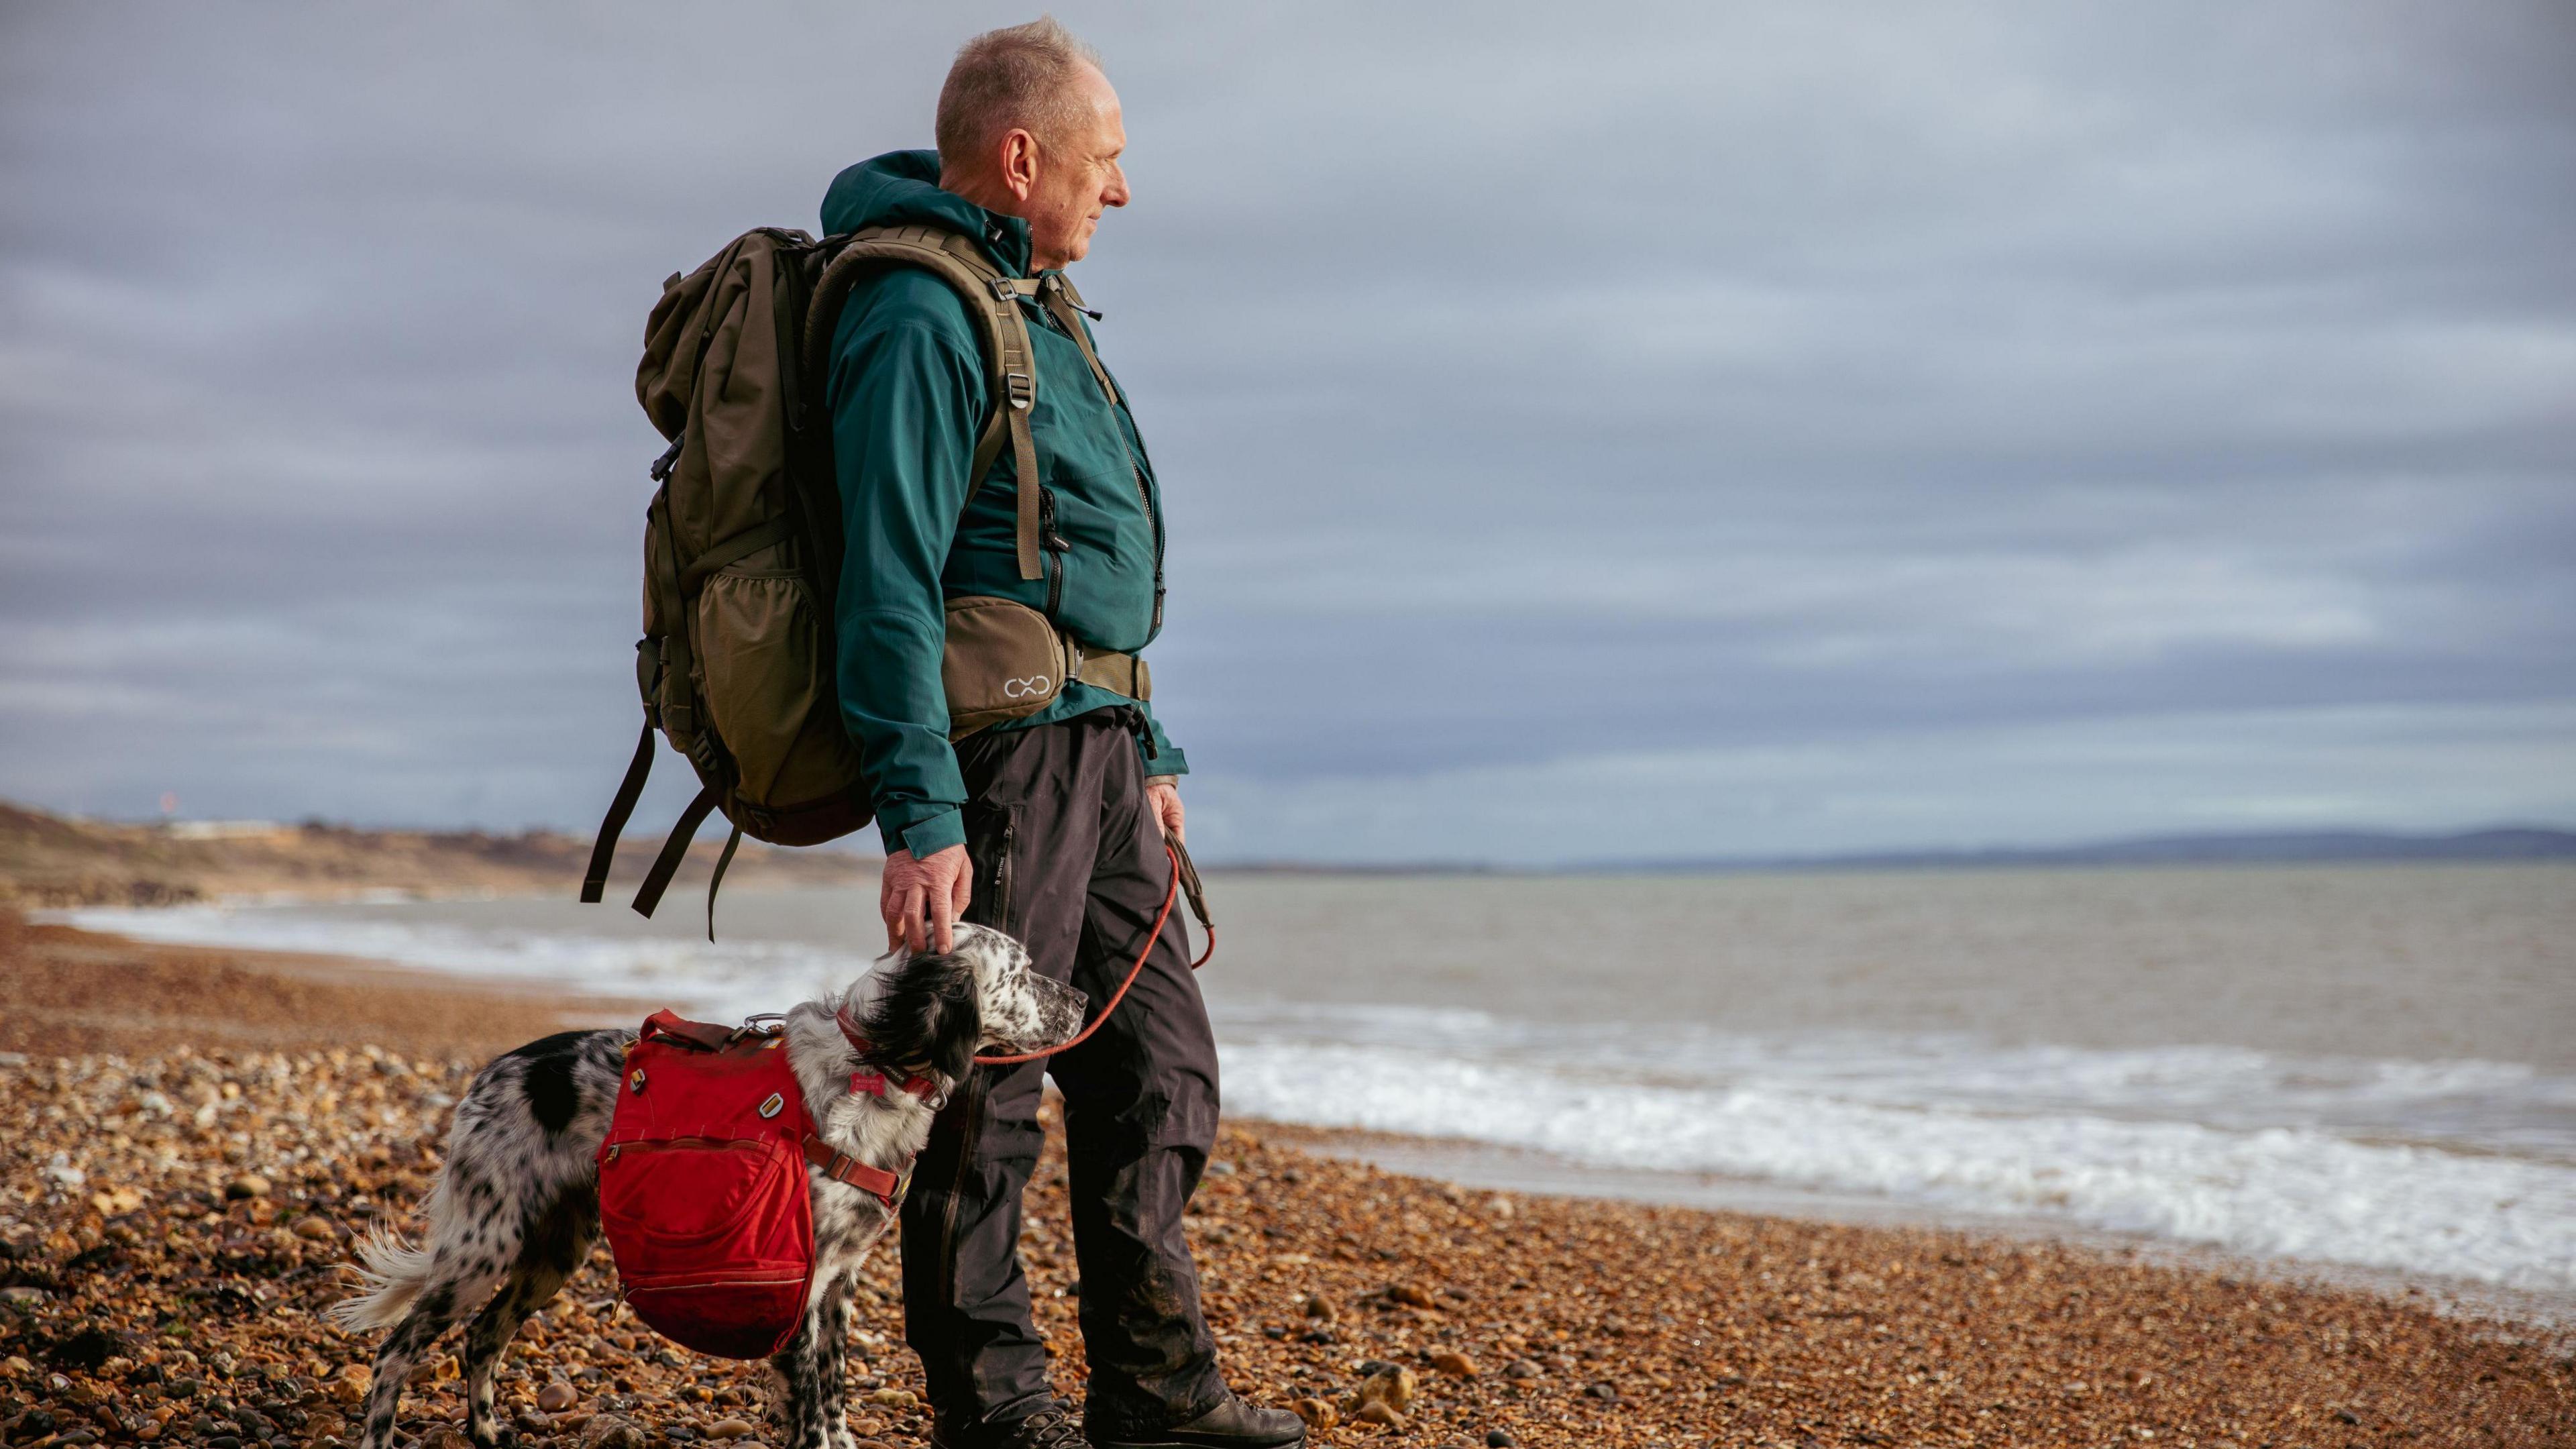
x: 1049, y: 827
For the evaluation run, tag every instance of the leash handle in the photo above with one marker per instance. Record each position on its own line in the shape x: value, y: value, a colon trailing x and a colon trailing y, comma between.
x: 1197, y: 893
x: 1169, y: 892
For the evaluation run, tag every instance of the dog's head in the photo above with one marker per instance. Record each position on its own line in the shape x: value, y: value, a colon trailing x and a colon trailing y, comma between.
x: 941, y: 1008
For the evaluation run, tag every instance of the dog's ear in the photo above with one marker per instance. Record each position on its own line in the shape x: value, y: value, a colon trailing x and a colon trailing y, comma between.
x: 958, y: 1027
x: 930, y: 1013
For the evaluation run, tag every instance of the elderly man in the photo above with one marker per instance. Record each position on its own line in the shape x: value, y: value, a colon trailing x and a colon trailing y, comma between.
x: 1050, y: 826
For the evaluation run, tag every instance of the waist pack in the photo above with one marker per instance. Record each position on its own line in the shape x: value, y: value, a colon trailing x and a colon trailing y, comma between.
x: 743, y: 543
x: 702, y: 1187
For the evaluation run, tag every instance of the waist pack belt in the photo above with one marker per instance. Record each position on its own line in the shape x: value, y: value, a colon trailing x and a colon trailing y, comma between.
x: 1005, y: 661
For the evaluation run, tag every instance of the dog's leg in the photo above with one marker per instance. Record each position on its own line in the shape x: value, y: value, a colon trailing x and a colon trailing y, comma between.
x: 790, y: 1404
x: 434, y: 1312
x: 800, y: 1381
x: 833, y: 1327
x: 556, y: 1243
x: 479, y: 1233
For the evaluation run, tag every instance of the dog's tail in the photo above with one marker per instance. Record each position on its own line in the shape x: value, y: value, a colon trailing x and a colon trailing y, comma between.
x: 392, y: 1271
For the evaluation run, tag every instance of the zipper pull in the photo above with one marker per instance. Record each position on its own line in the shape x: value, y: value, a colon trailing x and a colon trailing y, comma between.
x: 1048, y: 538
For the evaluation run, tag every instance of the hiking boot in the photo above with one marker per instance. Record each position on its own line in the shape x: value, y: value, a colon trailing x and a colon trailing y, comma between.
x: 1049, y: 1428
x: 1232, y: 1424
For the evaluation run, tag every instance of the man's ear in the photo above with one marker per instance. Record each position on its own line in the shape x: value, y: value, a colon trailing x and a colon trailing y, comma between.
x: 958, y: 1026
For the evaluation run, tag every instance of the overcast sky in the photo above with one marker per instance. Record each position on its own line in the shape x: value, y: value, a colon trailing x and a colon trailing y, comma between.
x: 1589, y: 431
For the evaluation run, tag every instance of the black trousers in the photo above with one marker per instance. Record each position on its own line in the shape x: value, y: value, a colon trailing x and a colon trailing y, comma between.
x: 1068, y: 859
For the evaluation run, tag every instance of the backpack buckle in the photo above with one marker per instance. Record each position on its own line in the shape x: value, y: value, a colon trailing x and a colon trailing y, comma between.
x: 1023, y: 390
x: 670, y: 458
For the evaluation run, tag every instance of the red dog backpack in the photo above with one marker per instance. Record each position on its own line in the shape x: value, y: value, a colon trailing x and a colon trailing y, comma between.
x: 702, y: 1184
x: 702, y: 1187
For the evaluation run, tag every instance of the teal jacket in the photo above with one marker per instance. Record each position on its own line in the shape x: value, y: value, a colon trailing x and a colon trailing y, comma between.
x: 908, y: 398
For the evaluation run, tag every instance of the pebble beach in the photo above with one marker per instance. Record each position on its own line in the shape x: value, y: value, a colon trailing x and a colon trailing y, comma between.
x: 196, y: 1135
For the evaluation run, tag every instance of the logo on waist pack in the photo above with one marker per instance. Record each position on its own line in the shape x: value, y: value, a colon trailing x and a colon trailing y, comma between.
x: 771, y: 1107
x: 1023, y: 688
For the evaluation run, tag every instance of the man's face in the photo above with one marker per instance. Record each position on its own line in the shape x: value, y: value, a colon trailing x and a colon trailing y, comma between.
x: 1078, y: 177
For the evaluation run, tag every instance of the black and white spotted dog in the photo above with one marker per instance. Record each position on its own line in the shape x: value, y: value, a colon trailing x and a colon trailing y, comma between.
x: 516, y: 1207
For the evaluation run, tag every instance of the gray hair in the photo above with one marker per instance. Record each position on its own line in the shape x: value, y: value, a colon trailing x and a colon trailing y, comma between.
x: 1020, y: 75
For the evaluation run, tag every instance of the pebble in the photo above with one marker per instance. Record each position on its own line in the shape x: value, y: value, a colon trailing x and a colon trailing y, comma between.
x: 248, y: 1185
x: 315, y: 1228
x: 556, y: 1397
x: 730, y: 1429
x: 1392, y: 1386
x: 1500, y: 1439
x: 1522, y: 1368
x: 1411, y: 1294
x: 1318, y: 1415
x: 1378, y: 1411
x: 1455, y: 1364
x: 611, y: 1431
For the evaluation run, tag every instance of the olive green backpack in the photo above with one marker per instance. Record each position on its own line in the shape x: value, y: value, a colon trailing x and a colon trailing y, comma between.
x: 743, y: 542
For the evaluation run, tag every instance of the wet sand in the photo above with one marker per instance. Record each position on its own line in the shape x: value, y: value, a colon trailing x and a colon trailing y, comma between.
x: 195, y: 1134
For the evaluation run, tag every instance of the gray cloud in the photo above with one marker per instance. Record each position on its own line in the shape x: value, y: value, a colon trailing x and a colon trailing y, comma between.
x: 1813, y: 404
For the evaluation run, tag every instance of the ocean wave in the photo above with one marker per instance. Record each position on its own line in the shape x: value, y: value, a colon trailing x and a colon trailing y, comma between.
x: 2284, y: 1192
x: 2503, y: 1107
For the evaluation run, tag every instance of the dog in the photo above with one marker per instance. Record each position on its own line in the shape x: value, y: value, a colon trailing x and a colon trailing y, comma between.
x: 515, y: 1209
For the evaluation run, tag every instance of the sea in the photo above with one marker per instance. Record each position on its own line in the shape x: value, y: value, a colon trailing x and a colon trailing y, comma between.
x: 2368, y: 1068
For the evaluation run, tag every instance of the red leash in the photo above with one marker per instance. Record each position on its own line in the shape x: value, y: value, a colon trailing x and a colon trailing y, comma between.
x: 1165, y: 914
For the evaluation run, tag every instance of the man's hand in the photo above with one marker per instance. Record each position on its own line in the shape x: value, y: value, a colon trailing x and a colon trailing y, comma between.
x: 1163, y: 802
x: 931, y: 893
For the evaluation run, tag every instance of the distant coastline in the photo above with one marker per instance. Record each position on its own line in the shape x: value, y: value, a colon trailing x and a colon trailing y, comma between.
x: 2504, y: 843
x: 53, y: 861
x: 2315, y: 847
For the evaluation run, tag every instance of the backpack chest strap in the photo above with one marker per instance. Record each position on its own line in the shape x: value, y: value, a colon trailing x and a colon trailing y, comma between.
x: 876, y: 1182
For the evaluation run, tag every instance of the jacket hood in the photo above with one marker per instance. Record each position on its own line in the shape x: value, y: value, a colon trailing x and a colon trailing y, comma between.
x: 901, y: 188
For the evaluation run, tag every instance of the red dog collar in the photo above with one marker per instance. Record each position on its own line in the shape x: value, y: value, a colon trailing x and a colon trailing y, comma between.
x: 872, y: 1079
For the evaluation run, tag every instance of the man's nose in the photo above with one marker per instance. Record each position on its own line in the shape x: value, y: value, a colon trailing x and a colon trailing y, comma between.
x: 1117, y: 193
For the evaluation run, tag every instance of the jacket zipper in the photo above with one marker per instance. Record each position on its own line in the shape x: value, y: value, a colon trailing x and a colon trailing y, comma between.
x: 1002, y: 876
x: 1154, y: 520
x: 1053, y: 548
x: 1144, y: 496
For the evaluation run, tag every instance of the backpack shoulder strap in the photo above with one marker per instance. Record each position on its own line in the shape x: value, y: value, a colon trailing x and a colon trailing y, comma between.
x: 1064, y: 304
x: 992, y: 303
